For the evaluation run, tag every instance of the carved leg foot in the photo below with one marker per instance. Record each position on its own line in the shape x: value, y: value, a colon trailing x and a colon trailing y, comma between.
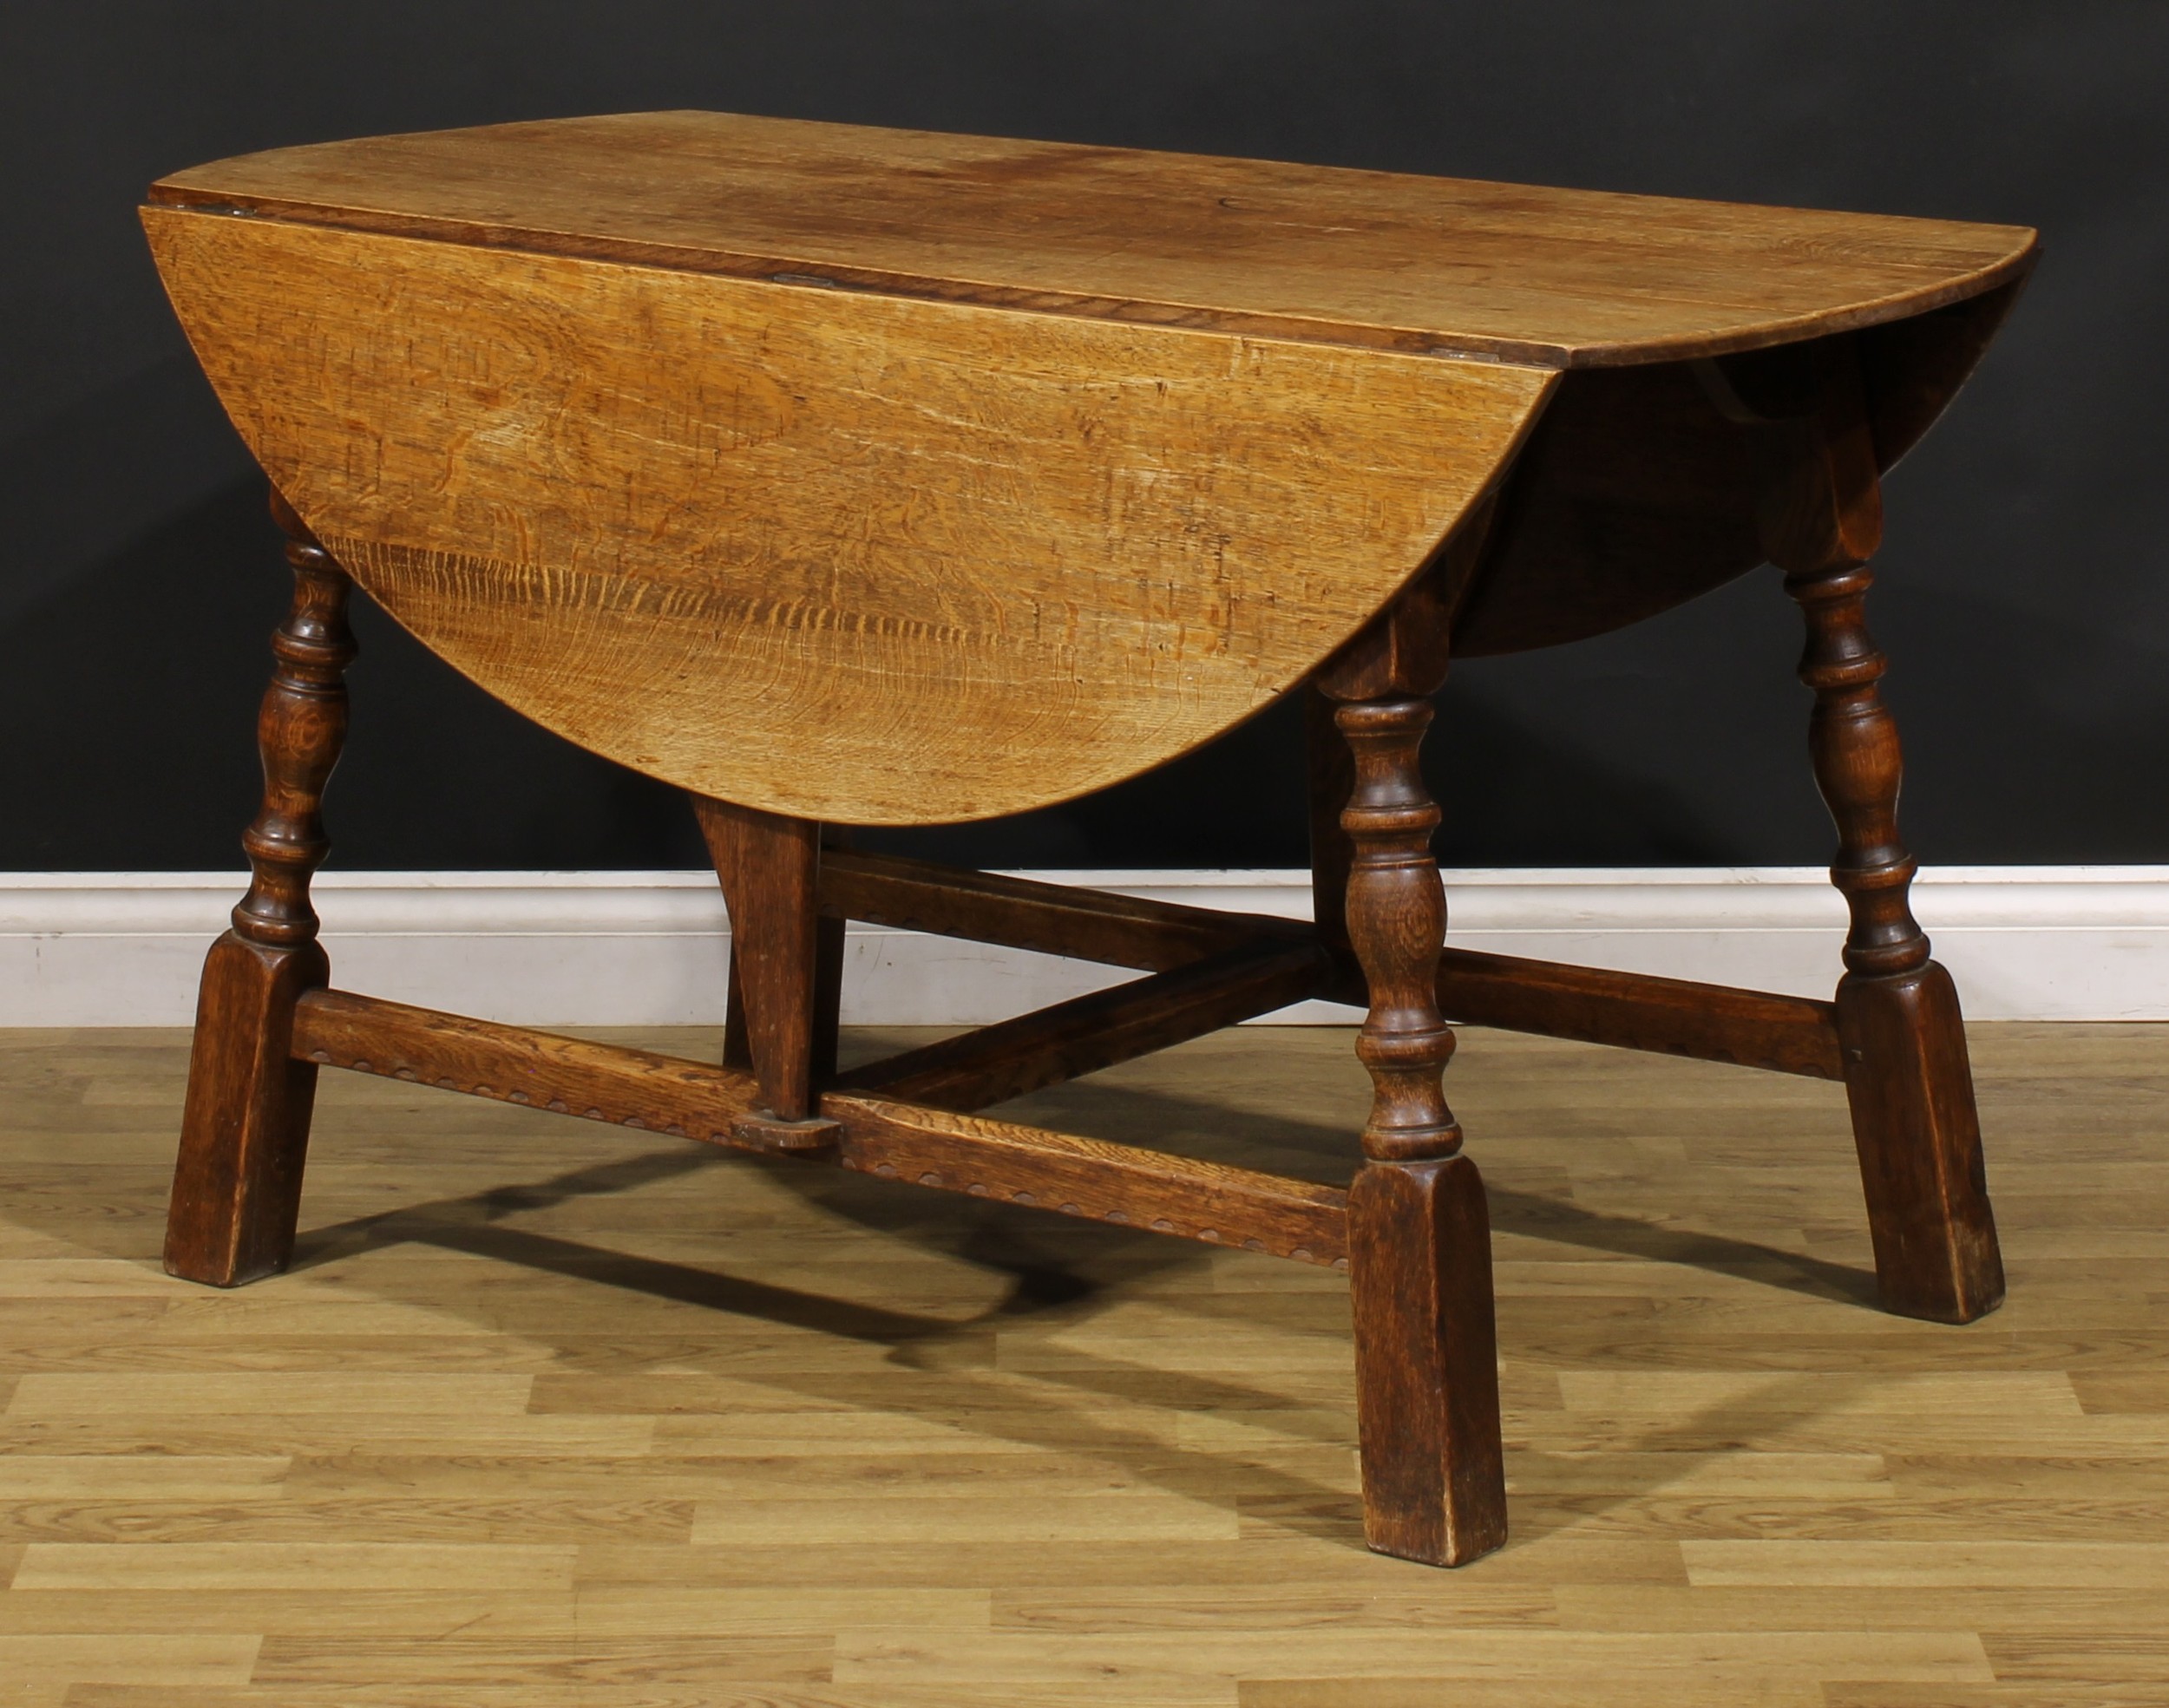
x: 1434, y: 1479
x: 244, y: 1128
x: 1434, y: 1485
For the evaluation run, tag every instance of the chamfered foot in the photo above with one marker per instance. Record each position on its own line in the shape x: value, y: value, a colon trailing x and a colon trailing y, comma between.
x: 1419, y: 1256
x: 245, y: 1130
x: 1913, y: 1123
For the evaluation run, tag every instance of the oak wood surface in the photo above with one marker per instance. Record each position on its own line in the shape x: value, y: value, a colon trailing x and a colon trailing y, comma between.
x: 559, y: 1416
x: 916, y: 517
x: 994, y: 1064
x: 1419, y: 1250
x: 1638, y: 1011
x: 868, y: 1133
x: 1594, y: 1004
x: 1426, y: 1345
x: 245, y: 1127
x: 769, y: 868
x: 1396, y: 926
x: 835, y: 556
x: 1030, y: 913
x: 1908, y: 1079
x: 1553, y: 277
x: 1632, y: 495
x: 892, y: 555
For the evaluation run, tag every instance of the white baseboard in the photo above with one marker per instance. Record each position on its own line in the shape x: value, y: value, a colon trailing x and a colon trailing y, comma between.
x: 647, y: 948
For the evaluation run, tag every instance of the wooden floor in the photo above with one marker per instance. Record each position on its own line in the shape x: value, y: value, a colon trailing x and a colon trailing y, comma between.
x: 554, y: 1414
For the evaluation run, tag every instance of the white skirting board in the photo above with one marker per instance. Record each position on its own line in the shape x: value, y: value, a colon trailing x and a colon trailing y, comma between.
x: 647, y: 948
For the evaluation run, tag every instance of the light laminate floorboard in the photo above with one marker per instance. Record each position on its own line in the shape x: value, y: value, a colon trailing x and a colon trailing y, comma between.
x: 553, y: 1414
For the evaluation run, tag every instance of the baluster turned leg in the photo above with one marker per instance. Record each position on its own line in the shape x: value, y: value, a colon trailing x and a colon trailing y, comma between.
x: 1819, y: 515
x: 1434, y: 1486
x: 1820, y: 508
x: 245, y: 1127
x: 1907, y: 1077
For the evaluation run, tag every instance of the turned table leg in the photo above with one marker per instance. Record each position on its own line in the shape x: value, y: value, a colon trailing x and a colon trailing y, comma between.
x: 1907, y: 1077
x: 244, y: 1126
x: 1819, y: 512
x: 1434, y: 1485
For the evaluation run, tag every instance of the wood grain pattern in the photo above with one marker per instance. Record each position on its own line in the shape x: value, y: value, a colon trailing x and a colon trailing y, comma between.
x: 1918, y: 1128
x: 566, y: 1416
x: 942, y: 545
x: 1426, y: 1342
x: 1406, y: 649
x: 1552, y: 277
x: 1638, y: 1011
x: 1397, y: 924
x: 872, y: 1134
x: 828, y: 982
x: 769, y: 868
x: 1029, y: 914
x: 994, y: 1063
x: 1626, y: 504
x: 1419, y: 1248
x: 1075, y: 1176
x: 831, y: 554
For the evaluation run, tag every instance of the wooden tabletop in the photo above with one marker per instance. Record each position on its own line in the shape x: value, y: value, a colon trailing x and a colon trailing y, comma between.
x: 1558, y: 278
x: 882, y: 477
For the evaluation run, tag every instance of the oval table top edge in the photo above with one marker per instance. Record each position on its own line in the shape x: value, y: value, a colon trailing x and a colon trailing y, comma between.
x: 440, y: 186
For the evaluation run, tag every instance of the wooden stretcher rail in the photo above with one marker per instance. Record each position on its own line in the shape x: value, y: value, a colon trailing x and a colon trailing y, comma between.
x: 1071, y: 1175
x: 1637, y: 1010
x: 1019, y: 913
x: 1097, y: 1030
x: 1632, y: 1011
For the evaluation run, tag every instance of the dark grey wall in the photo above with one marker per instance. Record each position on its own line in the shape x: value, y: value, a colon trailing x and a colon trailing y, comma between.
x: 2026, y: 591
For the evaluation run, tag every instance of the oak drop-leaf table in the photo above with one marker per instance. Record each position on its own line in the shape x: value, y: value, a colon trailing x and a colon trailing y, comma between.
x: 844, y: 476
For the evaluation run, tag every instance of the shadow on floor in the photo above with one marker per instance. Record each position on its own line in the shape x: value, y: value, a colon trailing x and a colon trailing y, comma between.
x: 1057, y: 1270
x: 1050, y: 1272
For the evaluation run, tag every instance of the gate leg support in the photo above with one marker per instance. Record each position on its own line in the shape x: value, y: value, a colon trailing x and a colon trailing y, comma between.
x: 828, y: 953
x: 770, y: 866
x: 244, y: 1126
